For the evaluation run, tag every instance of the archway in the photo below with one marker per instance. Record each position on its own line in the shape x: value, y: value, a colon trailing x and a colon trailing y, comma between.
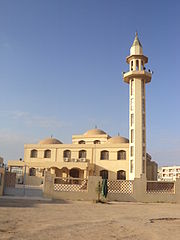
x: 104, y: 174
x: 74, y: 173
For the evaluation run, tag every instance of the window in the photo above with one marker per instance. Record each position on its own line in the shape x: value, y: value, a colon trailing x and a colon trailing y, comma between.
x: 132, y: 87
x: 144, y: 151
x: 132, y: 104
x: 67, y: 154
x: 104, y: 155
x: 131, y: 166
x: 131, y: 65
x: 33, y: 153
x: 121, y: 155
x: 82, y: 154
x: 97, y: 142
x: 132, y: 151
x: 142, y: 87
x: 121, y: 175
x: 143, y: 105
x: 17, y: 170
x: 143, y: 120
x: 143, y: 166
x: 32, y: 172
x: 104, y: 174
x: 137, y: 65
x: 132, y: 135
x: 132, y: 120
x: 142, y: 65
x: 143, y: 136
x: 47, y: 154
x: 82, y: 142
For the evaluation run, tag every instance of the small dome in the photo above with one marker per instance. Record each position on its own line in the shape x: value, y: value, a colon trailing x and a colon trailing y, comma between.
x: 118, y: 139
x: 94, y: 131
x: 50, y: 141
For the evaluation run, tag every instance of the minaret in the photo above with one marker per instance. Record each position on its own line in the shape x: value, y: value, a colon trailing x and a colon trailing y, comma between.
x: 137, y: 77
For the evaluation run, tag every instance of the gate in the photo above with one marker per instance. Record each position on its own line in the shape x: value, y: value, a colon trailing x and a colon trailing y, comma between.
x: 20, y: 190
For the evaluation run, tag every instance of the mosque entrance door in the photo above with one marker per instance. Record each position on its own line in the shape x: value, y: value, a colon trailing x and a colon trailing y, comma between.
x: 74, y: 173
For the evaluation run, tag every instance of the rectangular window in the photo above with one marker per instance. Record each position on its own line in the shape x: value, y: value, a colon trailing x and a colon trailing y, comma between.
x: 143, y: 120
x: 131, y: 166
x: 131, y: 65
x: 144, y: 152
x: 142, y: 88
x: 143, y: 136
x: 132, y: 104
x: 132, y: 87
x: 132, y: 120
x: 143, y: 166
x: 132, y: 151
x: 132, y: 135
x: 143, y: 105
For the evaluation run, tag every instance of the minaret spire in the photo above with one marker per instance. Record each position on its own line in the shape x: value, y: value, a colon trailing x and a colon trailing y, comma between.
x: 136, y: 48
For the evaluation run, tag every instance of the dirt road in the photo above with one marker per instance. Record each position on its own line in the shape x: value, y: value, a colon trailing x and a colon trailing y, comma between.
x: 37, y: 220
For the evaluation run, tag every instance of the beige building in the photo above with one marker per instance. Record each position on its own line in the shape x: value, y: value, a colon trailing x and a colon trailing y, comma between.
x: 2, y: 173
x: 95, y: 152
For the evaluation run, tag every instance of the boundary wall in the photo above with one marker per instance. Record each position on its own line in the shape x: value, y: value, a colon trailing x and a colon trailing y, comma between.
x: 139, y: 190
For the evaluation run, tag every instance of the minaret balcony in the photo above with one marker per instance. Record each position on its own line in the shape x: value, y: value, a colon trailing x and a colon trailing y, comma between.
x: 137, y: 74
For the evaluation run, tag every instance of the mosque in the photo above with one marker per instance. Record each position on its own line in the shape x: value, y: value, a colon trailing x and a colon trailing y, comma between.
x: 95, y: 152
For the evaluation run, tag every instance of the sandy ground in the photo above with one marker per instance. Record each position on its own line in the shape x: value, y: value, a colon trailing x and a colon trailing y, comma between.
x: 30, y: 219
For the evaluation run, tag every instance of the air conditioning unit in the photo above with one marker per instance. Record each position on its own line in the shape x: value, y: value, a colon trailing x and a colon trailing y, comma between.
x: 66, y: 159
x: 83, y: 159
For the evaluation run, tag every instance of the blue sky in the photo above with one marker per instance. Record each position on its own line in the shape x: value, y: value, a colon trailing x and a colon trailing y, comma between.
x: 61, y: 64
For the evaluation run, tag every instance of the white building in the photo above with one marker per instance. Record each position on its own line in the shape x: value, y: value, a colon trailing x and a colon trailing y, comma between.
x: 168, y: 173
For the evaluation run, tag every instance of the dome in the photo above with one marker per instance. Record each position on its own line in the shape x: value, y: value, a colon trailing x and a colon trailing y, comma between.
x: 94, y: 131
x: 118, y: 139
x: 50, y: 141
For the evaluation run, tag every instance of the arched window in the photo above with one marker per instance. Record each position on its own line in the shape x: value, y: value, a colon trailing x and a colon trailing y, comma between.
x: 97, y: 142
x: 32, y: 172
x: 142, y: 65
x: 121, y: 155
x: 121, y: 175
x: 137, y: 64
x: 82, y: 142
x: 47, y: 153
x: 104, y: 155
x: 33, y: 153
x: 131, y: 65
x: 104, y: 174
x: 82, y: 154
x: 67, y: 154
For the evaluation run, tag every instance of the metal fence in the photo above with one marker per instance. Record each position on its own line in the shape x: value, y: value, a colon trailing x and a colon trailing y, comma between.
x: 160, y: 187
x: 120, y: 186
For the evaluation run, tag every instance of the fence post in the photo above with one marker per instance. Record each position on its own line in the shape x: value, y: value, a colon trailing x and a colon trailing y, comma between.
x: 93, y: 182
x: 177, y: 190
x: 48, y: 186
x: 139, y: 189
